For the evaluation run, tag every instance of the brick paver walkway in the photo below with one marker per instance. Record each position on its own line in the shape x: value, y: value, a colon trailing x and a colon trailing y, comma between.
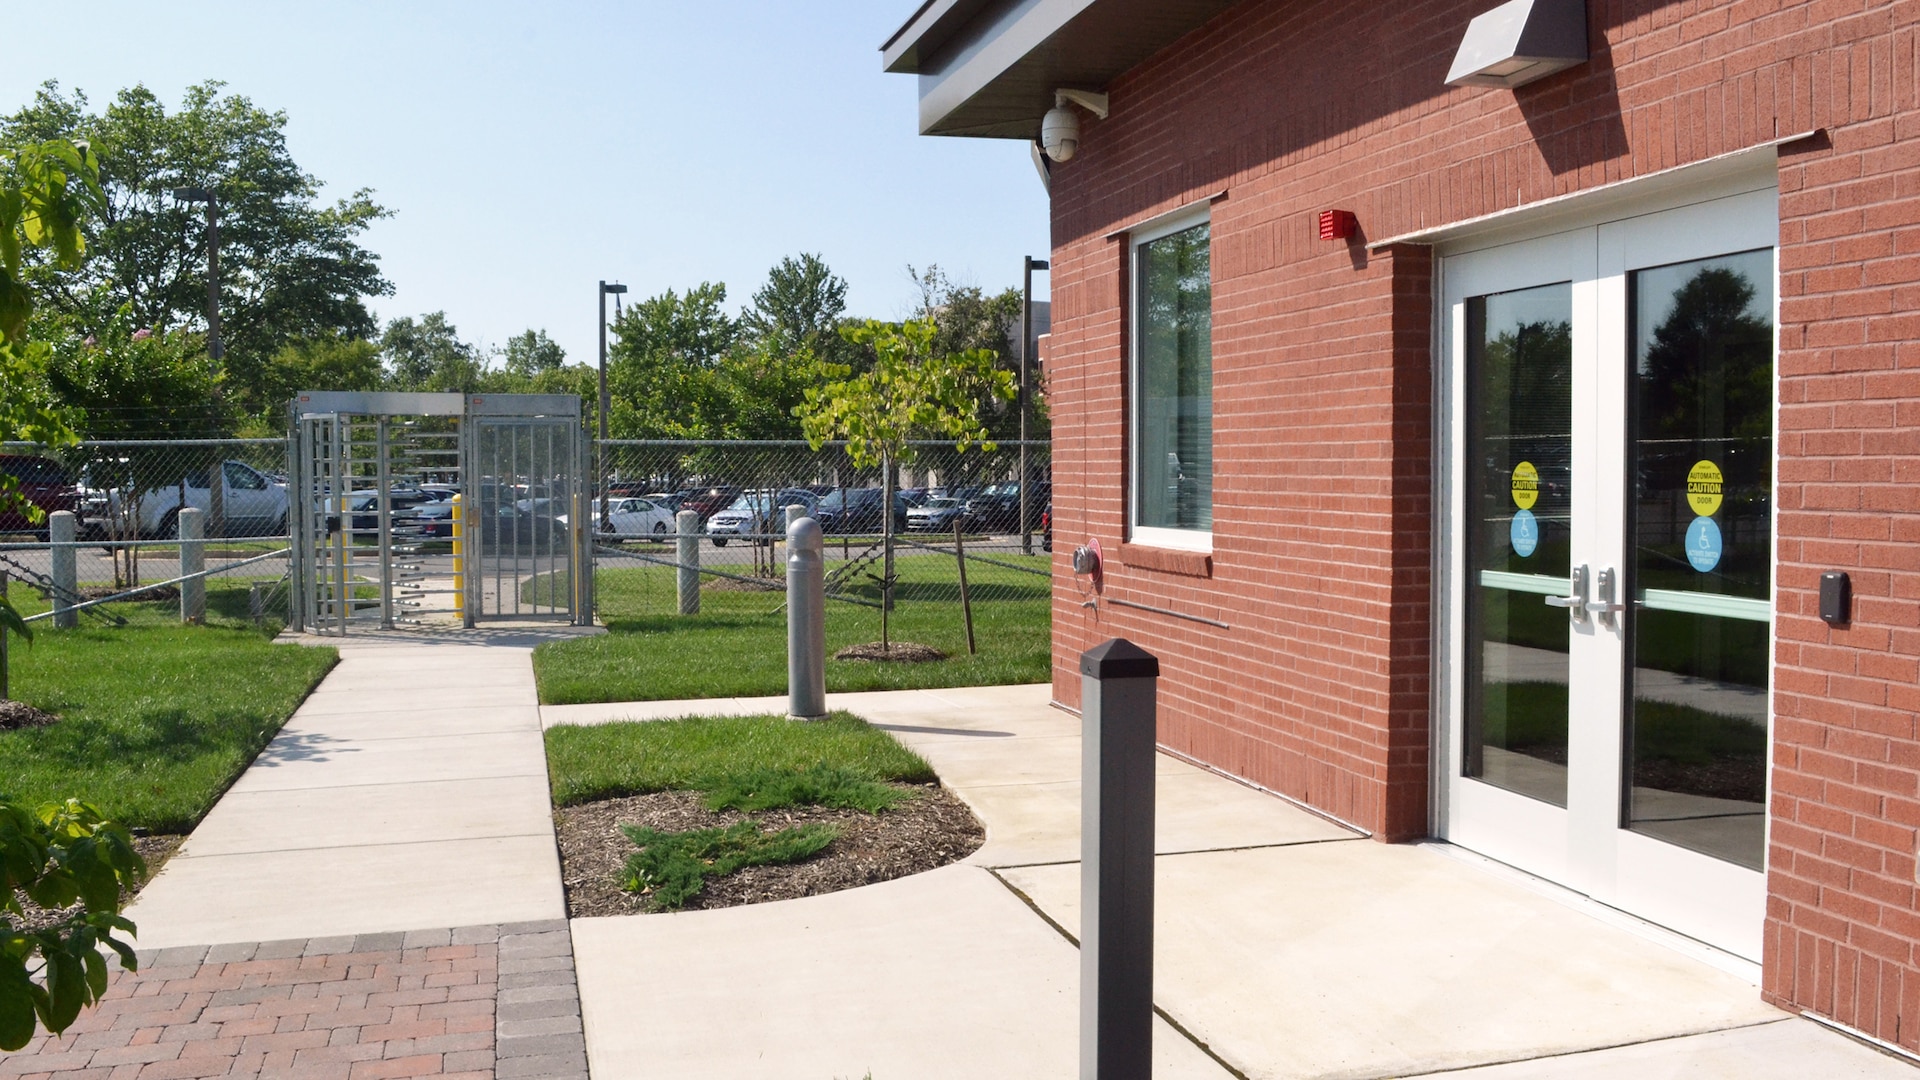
x: 475, y: 1002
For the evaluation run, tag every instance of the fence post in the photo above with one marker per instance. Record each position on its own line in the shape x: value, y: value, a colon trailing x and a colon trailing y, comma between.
x: 5, y: 689
x: 1117, y: 703
x: 966, y: 601
x: 687, y: 554
x: 66, y: 583
x: 193, y: 560
x: 806, y: 617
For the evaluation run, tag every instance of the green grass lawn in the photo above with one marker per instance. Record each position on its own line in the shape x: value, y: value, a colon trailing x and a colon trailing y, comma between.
x: 715, y: 754
x: 745, y: 763
x: 157, y: 719
x: 737, y: 645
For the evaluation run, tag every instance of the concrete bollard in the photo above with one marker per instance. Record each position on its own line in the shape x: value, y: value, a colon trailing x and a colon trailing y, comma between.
x: 806, y: 619
x: 1117, y: 705
x: 193, y: 560
x: 687, y: 554
x: 66, y: 579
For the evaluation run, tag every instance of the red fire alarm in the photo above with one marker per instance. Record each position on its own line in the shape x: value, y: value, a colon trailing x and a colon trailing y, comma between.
x: 1338, y: 225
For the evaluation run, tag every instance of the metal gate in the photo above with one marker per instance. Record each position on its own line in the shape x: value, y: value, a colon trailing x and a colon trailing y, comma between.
x: 527, y: 509
x: 513, y: 549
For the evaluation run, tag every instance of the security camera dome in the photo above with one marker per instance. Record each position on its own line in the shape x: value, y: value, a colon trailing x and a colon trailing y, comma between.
x: 1059, y: 133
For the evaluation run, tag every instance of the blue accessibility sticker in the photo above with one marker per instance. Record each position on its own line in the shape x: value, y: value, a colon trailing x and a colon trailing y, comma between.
x: 1525, y: 532
x: 1703, y: 544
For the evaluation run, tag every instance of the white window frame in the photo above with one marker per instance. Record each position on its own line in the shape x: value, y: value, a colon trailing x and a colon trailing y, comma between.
x: 1166, y: 225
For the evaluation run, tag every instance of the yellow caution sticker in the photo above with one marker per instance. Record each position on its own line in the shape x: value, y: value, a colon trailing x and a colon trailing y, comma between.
x: 1526, y: 485
x: 1703, y: 488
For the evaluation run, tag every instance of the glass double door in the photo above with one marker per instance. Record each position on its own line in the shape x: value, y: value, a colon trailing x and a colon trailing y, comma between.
x: 1611, y: 478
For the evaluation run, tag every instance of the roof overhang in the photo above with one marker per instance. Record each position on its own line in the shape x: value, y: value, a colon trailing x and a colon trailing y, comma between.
x: 988, y: 68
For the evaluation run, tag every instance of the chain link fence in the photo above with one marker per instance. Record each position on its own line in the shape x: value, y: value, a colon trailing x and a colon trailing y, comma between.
x: 126, y: 496
x: 961, y: 557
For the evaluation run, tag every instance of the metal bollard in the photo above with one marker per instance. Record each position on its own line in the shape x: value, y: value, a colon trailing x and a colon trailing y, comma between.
x: 806, y: 620
x: 687, y: 554
x: 193, y: 560
x: 1117, y: 705
x: 66, y: 578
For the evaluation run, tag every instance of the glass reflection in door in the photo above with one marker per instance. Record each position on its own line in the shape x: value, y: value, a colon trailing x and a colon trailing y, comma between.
x: 1701, y: 460
x: 1519, y: 486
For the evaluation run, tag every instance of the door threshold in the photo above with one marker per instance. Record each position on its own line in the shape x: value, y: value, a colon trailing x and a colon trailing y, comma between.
x: 1738, y: 966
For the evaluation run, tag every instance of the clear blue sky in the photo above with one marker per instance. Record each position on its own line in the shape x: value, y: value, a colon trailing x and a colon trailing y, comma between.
x: 529, y: 150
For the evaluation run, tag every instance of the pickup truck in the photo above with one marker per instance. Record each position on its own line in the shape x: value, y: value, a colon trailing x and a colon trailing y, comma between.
x: 254, y: 504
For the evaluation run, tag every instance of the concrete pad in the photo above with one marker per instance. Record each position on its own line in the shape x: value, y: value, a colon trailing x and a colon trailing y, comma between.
x: 327, y: 817
x: 321, y: 892
x: 1784, y: 1050
x: 610, y: 712
x: 318, y: 759
x: 942, y: 974
x: 1367, y: 960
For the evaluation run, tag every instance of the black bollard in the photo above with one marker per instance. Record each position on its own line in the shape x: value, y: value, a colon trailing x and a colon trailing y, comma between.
x: 1117, y: 680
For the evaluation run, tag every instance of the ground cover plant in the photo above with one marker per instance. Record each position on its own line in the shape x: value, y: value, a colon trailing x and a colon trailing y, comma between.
x: 714, y: 811
x: 736, y: 646
x: 156, y: 719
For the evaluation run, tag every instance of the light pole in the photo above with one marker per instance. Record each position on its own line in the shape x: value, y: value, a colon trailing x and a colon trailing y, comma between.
x: 1026, y: 347
x: 606, y: 401
x: 216, y: 471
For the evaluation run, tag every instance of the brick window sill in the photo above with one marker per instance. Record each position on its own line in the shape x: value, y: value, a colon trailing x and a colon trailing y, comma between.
x: 1167, y: 560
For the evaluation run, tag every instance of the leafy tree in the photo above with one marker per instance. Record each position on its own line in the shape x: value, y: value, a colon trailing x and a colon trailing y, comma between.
x: 662, y: 369
x: 64, y: 853
x: 799, y: 306
x: 333, y: 362
x: 912, y: 391
x: 533, y: 353
x: 290, y: 267
x: 968, y: 317
x: 428, y: 355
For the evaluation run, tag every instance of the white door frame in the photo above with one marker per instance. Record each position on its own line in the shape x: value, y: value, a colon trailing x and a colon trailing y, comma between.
x: 1584, y: 846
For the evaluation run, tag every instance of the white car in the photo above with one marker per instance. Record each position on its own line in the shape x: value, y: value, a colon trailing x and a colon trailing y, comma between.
x: 633, y: 517
x: 758, y: 512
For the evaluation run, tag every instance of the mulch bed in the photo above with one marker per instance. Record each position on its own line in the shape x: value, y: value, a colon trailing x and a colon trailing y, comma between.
x: 19, y: 714
x: 155, y: 849
x: 905, y: 652
x: 930, y: 829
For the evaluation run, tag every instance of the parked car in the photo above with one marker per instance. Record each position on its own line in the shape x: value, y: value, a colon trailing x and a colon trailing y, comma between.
x: 935, y: 515
x: 857, y: 510
x: 363, y: 508
x: 998, y: 506
x: 761, y: 512
x: 631, y: 517
x: 670, y: 503
x: 253, y: 503
x: 427, y: 520
x: 41, y: 482
x: 708, y: 501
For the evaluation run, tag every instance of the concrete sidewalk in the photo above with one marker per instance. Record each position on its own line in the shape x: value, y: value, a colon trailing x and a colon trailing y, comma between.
x: 1287, y: 946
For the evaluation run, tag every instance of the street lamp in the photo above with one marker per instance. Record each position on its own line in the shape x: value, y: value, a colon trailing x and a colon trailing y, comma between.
x: 199, y: 194
x: 1026, y: 347
x: 216, y: 471
x: 606, y: 402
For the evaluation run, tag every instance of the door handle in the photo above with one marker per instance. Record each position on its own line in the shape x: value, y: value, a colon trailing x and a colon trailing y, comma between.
x: 1606, y: 606
x: 1576, y: 601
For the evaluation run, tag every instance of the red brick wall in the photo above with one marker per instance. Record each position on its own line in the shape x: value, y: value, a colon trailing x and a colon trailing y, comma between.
x: 1321, y: 386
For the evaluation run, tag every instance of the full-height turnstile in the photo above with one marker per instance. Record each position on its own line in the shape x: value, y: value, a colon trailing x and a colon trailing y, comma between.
x: 521, y: 548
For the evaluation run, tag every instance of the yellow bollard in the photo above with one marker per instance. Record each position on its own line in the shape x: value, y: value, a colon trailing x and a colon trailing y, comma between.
x: 459, y: 561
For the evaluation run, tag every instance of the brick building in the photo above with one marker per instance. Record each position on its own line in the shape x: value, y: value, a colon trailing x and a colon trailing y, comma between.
x: 1495, y: 504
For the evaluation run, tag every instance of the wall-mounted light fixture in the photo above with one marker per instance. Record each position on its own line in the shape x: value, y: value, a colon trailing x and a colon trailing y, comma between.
x: 1520, y: 41
x: 1060, y: 128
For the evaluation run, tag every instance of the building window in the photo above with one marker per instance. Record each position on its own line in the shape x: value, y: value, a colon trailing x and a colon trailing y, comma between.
x: 1172, y: 379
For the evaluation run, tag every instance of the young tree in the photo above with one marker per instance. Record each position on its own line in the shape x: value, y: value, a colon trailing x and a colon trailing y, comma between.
x: 290, y: 267
x: 64, y: 853
x: 912, y: 391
